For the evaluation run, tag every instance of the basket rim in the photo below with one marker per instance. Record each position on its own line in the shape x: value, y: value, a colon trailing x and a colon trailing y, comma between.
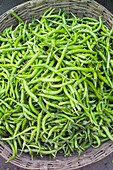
x: 57, y: 161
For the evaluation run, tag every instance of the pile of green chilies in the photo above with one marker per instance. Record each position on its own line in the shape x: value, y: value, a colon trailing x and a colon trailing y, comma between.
x: 56, y: 84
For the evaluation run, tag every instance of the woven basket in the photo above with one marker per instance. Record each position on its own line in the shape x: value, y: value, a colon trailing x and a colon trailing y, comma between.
x: 80, y: 8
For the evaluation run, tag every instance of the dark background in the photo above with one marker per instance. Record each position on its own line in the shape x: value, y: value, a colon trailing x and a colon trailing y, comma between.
x: 104, y: 164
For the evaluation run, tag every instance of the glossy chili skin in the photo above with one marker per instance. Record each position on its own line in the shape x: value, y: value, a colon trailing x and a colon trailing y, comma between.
x: 56, y: 84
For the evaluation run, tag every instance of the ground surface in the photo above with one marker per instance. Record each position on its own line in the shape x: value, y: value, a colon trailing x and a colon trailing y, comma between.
x: 104, y: 164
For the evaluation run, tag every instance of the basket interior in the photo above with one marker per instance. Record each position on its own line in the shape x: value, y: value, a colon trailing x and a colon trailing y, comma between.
x: 26, y: 11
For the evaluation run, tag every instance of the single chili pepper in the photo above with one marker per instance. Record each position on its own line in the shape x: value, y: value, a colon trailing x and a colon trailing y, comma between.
x: 38, y: 125
x: 29, y: 63
x: 106, y: 129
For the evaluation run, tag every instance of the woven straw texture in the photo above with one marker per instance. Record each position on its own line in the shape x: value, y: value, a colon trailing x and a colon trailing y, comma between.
x: 35, y: 8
